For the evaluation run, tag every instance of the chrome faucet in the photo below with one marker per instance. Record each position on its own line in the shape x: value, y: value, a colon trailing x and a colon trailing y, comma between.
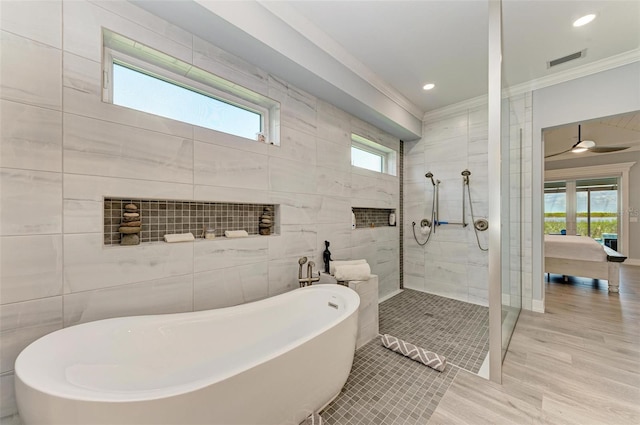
x: 309, y: 279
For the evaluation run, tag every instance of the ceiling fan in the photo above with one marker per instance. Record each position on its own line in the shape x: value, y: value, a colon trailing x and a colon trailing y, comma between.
x: 588, y: 145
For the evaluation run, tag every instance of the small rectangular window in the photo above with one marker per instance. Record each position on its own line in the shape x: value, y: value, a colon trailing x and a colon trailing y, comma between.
x: 363, y: 159
x: 372, y: 156
x: 137, y: 90
x: 147, y: 80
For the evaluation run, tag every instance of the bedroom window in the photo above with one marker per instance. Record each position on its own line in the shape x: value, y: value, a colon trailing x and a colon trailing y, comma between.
x: 555, y: 208
x: 587, y: 207
x: 141, y: 78
x: 372, y: 156
x: 597, y: 209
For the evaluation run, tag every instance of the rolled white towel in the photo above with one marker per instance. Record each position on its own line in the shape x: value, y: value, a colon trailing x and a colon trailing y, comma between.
x: 236, y: 233
x: 178, y: 237
x: 351, y: 272
x: 334, y: 264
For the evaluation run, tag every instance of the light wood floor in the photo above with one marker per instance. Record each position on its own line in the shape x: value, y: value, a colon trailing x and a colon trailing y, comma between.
x: 579, y: 363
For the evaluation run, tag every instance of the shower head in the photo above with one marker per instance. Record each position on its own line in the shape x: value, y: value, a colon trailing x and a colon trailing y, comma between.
x: 429, y: 175
x: 465, y: 176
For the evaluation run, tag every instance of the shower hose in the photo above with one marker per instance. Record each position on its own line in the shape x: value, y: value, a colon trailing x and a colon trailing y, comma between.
x: 473, y: 220
x: 433, y: 213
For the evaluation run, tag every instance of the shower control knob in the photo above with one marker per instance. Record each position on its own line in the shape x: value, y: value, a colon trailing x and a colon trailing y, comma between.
x: 481, y: 224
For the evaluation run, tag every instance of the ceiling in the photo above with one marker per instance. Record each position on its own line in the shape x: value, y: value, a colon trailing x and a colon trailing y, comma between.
x: 372, y: 58
x: 618, y: 130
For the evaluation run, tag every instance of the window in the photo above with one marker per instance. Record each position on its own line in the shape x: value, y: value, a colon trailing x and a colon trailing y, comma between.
x: 555, y: 207
x: 372, y: 156
x: 137, y: 90
x: 587, y: 207
x: 141, y: 78
x: 597, y: 208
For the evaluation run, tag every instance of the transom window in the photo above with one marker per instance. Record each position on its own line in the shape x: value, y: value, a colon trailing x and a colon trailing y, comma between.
x: 150, y: 81
x: 372, y: 156
x: 137, y: 90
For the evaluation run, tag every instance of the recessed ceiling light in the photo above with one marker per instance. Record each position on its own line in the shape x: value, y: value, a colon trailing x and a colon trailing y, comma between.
x: 428, y: 86
x: 584, y: 20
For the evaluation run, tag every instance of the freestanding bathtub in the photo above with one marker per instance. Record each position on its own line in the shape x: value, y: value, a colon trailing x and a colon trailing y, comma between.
x: 273, y: 361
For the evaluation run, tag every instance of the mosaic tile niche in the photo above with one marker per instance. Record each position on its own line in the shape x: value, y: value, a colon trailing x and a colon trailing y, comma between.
x: 161, y: 217
x: 372, y: 217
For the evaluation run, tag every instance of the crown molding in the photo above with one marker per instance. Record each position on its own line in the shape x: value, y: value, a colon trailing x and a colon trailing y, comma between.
x: 456, y: 108
x: 605, y: 64
x: 611, y: 62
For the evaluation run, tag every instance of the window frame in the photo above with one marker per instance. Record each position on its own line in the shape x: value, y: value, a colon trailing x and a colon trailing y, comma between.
x: 387, y: 155
x: 124, y: 52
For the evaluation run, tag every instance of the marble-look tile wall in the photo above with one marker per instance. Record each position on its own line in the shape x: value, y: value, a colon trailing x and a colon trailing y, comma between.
x: 63, y: 150
x: 450, y: 264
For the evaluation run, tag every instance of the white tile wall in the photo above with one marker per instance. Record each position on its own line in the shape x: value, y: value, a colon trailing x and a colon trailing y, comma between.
x: 31, y: 202
x: 451, y: 264
x: 31, y: 137
x: 63, y: 149
x: 167, y: 295
x: 89, y: 264
x: 25, y: 322
x: 31, y: 71
x: 30, y: 267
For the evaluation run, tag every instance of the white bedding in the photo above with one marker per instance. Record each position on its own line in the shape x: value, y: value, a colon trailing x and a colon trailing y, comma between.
x: 573, y: 248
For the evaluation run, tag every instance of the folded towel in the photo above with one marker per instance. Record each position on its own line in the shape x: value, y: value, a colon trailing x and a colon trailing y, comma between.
x: 334, y: 264
x: 236, y: 233
x: 429, y: 358
x: 179, y: 237
x: 353, y: 272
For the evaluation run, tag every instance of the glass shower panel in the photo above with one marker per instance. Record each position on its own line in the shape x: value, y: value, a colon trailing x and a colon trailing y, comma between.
x: 513, y: 121
x: 517, y: 121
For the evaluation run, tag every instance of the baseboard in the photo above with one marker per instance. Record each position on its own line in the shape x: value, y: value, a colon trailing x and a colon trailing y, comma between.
x: 386, y: 297
x: 537, y: 306
x: 632, y: 262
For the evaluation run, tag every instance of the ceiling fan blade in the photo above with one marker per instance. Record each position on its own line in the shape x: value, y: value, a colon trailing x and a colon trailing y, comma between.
x: 606, y: 149
x: 556, y: 154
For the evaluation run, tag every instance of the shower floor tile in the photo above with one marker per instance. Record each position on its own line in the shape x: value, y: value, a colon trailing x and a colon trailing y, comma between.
x: 455, y: 329
x: 387, y: 388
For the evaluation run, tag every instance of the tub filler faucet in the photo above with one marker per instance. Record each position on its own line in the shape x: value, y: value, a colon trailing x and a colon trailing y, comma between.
x: 307, y: 281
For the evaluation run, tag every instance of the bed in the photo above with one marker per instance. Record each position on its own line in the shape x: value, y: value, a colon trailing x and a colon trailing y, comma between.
x: 582, y: 256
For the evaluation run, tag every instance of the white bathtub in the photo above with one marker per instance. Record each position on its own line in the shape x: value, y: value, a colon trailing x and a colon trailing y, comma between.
x: 269, y: 362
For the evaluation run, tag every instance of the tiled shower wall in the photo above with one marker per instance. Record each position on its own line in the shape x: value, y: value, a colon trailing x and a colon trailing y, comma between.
x: 63, y: 150
x: 451, y: 264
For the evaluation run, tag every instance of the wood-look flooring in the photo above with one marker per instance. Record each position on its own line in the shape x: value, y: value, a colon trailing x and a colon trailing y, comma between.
x: 578, y: 363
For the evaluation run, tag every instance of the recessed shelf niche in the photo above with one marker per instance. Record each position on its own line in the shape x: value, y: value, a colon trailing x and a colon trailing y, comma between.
x: 161, y: 217
x: 372, y: 217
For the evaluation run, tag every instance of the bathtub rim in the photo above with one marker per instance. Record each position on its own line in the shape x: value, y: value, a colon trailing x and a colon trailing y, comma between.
x: 70, y: 391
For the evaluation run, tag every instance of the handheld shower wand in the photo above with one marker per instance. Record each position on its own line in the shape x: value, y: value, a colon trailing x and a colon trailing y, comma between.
x: 429, y: 175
